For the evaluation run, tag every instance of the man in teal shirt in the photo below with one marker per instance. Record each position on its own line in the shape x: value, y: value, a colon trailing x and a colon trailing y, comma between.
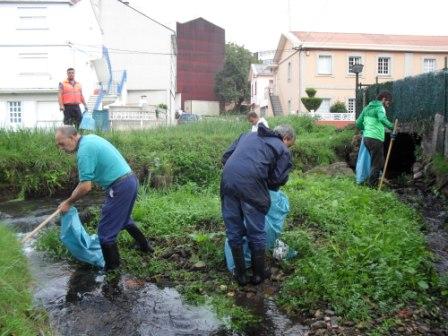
x: 372, y: 122
x: 100, y: 162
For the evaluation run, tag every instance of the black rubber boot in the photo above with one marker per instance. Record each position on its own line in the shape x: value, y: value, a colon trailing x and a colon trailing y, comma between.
x: 140, y: 238
x: 111, y: 256
x: 240, y: 265
x: 259, y: 270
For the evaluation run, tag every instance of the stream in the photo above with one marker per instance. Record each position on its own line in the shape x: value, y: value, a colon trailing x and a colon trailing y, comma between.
x: 76, y: 303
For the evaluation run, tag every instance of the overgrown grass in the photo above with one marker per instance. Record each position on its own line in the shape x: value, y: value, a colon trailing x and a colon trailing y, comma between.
x: 361, y: 251
x: 31, y: 164
x: 186, y: 228
x: 17, y: 314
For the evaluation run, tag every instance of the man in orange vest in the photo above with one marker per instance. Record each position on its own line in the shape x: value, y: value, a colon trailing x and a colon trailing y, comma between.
x: 70, y: 96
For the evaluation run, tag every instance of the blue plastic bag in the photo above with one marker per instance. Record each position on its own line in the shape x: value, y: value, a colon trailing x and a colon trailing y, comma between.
x: 275, y: 219
x: 363, y: 163
x: 82, y: 246
x: 87, y: 122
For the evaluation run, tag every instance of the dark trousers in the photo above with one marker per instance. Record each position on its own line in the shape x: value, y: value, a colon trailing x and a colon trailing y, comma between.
x: 117, y: 209
x: 242, y: 219
x: 72, y: 115
x: 376, y: 150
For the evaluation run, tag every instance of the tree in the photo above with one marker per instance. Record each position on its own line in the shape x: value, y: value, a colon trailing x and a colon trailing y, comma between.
x: 231, y: 84
x: 311, y: 102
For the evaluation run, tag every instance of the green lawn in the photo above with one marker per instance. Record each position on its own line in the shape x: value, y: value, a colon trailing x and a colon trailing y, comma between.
x: 17, y: 314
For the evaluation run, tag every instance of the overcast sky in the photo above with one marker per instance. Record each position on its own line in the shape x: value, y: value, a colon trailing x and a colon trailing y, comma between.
x: 257, y: 24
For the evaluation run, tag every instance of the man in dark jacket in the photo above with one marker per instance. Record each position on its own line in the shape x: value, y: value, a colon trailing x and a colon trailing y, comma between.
x: 254, y: 164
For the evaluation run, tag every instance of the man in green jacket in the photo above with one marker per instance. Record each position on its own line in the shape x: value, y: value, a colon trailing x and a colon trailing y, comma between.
x: 372, y: 122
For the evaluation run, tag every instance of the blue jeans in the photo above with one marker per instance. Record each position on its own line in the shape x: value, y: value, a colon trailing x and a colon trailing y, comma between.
x: 242, y: 219
x: 117, y: 209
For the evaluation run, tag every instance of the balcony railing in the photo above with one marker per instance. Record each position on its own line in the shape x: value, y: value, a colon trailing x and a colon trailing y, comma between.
x: 328, y: 116
x: 115, y: 84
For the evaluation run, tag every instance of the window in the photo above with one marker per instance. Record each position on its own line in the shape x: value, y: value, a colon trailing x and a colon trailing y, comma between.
x: 383, y: 65
x: 351, y: 105
x: 352, y: 60
x: 15, y: 112
x: 324, y: 66
x: 289, y: 71
x: 35, y: 63
x: 429, y: 64
x: 289, y: 106
x: 32, y: 18
x: 325, y: 106
x: 255, y: 88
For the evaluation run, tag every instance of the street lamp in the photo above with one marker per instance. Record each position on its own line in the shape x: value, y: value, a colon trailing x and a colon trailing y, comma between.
x: 357, y: 69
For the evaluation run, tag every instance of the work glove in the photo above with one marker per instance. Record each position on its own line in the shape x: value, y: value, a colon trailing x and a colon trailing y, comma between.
x: 393, y: 136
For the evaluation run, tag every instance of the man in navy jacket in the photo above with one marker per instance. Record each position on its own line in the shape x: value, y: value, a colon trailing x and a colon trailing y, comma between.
x: 254, y: 164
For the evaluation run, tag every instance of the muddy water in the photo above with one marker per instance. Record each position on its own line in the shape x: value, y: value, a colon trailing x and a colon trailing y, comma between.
x: 79, y: 303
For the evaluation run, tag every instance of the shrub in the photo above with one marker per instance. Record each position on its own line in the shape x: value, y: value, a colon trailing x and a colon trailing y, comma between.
x: 338, y: 107
x: 311, y: 102
x: 30, y: 162
x: 311, y: 92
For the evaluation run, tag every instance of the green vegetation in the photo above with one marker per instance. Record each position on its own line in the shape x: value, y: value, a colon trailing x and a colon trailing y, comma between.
x: 31, y: 164
x: 311, y: 102
x: 17, y: 315
x: 416, y: 99
x: 361, y: 252
x: 231, y: 85
x: 338, y: 107
x: 440, y: 164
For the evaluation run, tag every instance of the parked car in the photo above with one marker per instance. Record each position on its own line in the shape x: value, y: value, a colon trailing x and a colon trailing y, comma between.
x: 188, y: 118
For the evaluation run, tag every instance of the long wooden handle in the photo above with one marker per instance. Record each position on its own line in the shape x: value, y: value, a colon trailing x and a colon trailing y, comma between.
x: 388, y: 154
x: 40, y: 226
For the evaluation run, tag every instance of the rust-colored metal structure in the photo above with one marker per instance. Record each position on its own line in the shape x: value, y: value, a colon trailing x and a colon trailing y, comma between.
x: 200, y: 56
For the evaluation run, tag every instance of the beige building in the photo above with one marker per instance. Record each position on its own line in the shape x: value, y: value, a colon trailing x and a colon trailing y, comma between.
x: 323, y: 61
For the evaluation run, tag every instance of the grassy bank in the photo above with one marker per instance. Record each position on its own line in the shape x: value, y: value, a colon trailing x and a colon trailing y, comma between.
x: 17, y: 314
x: 31, y: 165
x: 361, y: 252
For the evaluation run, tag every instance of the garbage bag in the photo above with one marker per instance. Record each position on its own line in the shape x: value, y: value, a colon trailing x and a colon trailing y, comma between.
x: 82, y: 246
x: 87, y: 122
x: 363, y: 163
x: 275, y: 219
x: 281, y: 251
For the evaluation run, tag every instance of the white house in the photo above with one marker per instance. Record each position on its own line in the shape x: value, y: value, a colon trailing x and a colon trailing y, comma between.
x: 261, y: 81
x: 143, y: 47
x: 119, y: 55
x: 37, y: 45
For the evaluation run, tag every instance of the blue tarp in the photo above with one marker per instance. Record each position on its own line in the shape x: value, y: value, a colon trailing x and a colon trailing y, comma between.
x: 87, y: 122
x: 275, y: 219
x: 363, y: 164
x: 82, y: 246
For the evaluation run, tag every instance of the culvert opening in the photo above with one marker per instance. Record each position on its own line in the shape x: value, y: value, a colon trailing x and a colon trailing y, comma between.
x: 403, y: 155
